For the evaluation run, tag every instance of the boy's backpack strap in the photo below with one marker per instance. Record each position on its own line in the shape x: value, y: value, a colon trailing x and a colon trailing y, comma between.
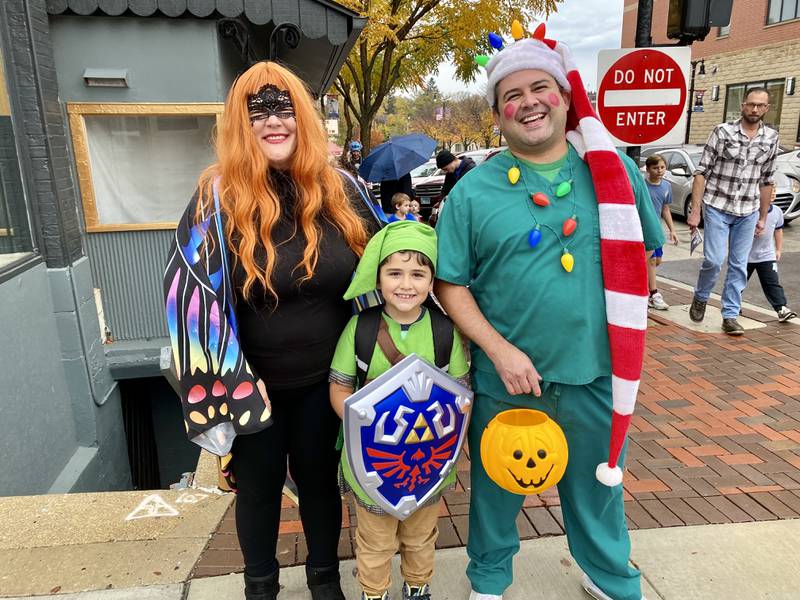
x: 442, y: 328
x: 367, y: 325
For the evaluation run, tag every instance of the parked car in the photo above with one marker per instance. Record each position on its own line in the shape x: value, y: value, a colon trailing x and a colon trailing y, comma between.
x: 429, y: 190
x: 789, y: 162
x: 682, y: 162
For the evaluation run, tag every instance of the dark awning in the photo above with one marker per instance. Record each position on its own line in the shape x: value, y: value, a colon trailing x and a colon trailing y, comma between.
x: 328, y: 30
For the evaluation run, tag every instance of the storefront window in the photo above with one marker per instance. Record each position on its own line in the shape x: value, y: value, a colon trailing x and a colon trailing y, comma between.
x: 138, y: 171
x: 15, y: 229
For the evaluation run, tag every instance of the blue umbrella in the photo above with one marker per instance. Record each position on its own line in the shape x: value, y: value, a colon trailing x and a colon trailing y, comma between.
x: 395, y: 158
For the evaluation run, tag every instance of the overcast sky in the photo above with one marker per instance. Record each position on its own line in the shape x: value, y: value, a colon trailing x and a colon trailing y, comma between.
x: 586, y: 26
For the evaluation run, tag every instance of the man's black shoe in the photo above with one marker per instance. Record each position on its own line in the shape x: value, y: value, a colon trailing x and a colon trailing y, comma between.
x: 732, y: 327
x: 697, y: 310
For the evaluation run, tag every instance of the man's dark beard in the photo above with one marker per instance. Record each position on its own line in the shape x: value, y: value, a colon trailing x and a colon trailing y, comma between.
x: 752, y: 120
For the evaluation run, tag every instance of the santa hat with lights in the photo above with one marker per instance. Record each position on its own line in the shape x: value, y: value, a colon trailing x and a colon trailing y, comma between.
x: 621, y: 242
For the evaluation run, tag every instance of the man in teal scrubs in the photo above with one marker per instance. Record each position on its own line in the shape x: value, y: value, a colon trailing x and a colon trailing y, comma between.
x: 528, y: 290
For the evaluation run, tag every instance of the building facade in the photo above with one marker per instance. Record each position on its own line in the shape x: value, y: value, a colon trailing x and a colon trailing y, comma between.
x: 107, y: 111
x: 760, y: 47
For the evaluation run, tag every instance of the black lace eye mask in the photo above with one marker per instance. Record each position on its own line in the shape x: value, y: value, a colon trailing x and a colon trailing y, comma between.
x: 268, y: 101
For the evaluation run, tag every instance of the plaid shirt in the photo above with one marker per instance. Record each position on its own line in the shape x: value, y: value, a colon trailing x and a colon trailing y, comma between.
x: 735, y: 166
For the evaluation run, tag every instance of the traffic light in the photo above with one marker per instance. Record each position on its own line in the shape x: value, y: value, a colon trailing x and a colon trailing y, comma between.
x: 691, y: 20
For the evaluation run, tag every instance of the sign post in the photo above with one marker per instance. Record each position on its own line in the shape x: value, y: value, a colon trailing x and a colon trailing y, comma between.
x: 642, y: 94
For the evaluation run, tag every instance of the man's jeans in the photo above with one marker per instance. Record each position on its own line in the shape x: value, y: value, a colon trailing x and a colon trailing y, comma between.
x: 725, y: 233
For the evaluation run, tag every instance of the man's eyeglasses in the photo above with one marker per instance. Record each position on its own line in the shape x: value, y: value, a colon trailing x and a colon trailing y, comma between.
x: 752, y: 105
x: 261, y: 117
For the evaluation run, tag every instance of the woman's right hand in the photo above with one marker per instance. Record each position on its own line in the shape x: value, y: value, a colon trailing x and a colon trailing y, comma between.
x: 516, y: 370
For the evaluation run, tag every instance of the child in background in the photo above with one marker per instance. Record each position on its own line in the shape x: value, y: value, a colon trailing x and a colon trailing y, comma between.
x: 764, y: 258
x: 400, y: 260
x: 661, y: 197
x: 415, y: 210
x: 402, y: 208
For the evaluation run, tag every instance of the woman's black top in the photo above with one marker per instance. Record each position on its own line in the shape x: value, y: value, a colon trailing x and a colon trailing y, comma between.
x: 292, y: 344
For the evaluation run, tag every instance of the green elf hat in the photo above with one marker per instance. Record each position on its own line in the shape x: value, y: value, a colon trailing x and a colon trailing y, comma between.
x: 395, y: 237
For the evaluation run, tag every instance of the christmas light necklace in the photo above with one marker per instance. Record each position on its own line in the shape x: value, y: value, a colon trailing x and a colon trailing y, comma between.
x: 562, y: 190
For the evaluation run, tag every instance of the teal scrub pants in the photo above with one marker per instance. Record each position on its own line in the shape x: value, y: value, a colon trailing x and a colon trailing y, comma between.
x: 594, y: 514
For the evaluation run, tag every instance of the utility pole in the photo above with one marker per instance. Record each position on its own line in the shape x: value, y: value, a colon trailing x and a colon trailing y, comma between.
x: 644, y: 26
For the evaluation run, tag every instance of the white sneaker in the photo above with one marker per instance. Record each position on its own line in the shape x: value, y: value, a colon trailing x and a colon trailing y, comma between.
x: 473, y: 595
x: 785, y: 313
x: 594, y: 591
x: 657, y: 301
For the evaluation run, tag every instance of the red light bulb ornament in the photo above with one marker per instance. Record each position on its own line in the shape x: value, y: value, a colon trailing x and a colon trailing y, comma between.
x: 569, y: 225
x: 540, y: 199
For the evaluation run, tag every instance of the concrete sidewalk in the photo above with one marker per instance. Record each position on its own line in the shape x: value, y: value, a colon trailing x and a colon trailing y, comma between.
x: 712, y: 497
x: 750, y: 561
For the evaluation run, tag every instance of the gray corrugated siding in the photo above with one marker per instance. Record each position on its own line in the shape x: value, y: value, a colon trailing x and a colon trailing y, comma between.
x: 128, y: 267
x: 315, y: 19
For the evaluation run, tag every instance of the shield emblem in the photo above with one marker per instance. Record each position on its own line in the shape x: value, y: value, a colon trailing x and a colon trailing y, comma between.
x: 404, y: 431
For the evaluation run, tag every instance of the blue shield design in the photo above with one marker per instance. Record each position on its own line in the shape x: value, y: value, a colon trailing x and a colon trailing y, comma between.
x: 404, y: 431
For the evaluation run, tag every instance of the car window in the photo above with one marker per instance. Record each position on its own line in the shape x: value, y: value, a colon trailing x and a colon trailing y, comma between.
x: 424, y: 170
x: 677, y: 161
x: 695, y: 157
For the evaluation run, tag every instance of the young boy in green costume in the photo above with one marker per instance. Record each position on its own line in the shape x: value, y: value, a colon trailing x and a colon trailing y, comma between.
x: 400, y: 261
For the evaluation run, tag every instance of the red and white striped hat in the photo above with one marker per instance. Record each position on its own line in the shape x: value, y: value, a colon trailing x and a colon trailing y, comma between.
x: 621, y: 243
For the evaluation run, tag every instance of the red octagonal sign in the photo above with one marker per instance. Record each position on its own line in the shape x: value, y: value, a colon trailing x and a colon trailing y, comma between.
x: 642, y: 96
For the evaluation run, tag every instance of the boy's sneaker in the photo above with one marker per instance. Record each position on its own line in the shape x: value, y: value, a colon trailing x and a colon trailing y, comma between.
x: 785, y: 313
x: 383, y: 596
x: 418, y: 592
x: 657, y: 301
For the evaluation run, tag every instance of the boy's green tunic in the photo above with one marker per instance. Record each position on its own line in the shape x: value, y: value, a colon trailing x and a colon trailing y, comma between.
x: 558, y: 319
x: 418, y: 338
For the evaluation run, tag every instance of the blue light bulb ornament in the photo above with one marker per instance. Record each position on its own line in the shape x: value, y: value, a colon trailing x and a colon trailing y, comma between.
x: 534, y: 237
x: 496, y: 41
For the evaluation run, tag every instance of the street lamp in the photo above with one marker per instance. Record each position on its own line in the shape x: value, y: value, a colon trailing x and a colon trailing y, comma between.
x: 701, y: 71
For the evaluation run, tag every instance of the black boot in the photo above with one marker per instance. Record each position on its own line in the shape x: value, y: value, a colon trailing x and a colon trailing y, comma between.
x: 324, y: 582
x: 261, y: 588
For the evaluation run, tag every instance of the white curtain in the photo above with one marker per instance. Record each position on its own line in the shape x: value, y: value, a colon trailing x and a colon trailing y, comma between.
x: 145, y: 168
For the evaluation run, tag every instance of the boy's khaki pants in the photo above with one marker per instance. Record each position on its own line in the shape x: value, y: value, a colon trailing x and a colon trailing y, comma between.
x: 379, y: 537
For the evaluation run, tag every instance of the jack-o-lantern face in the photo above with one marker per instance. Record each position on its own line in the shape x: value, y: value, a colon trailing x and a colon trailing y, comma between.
x: 524, y: 451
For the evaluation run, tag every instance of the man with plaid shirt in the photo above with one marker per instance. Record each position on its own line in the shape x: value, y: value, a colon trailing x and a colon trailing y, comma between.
x: 735, y: 182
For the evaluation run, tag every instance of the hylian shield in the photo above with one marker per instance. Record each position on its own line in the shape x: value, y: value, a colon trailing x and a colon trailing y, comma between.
x: 404, y: 431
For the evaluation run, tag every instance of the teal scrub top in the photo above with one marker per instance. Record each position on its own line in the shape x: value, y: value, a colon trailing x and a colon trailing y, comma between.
x: 557, y: 318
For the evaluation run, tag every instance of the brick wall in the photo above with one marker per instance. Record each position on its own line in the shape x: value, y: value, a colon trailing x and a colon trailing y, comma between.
x: 752, y: 51
x: 40, y: 130
x: 748, y: 28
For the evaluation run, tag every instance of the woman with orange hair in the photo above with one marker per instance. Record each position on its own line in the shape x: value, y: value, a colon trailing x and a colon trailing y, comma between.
x: 254, y: 288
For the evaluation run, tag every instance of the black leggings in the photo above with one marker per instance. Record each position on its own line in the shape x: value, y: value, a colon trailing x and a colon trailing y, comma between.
x: 768, y: 276
x: 305, y: 428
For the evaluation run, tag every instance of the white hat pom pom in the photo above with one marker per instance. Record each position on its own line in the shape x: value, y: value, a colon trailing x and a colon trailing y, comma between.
x: 607, y: 475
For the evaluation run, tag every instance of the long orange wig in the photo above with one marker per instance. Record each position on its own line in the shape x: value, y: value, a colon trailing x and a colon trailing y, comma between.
x: 250, y: 205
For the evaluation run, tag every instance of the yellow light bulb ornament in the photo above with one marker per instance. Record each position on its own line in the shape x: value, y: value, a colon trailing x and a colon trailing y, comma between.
x: 513, y: 175
x: 567, y: 261
x: 517, y: 32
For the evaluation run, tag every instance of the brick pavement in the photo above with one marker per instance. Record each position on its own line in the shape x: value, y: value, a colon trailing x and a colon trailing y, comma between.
x: 715, y: 439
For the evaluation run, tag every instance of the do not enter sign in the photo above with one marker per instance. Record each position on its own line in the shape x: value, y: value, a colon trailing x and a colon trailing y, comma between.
x: 642, y: 94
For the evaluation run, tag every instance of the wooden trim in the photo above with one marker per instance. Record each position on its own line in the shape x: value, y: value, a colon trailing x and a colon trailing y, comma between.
x: 114, y: 227
x: 80, y: 143
x: 91, y: 108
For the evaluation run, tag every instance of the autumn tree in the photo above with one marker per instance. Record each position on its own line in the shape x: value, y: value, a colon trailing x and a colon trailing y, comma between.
x: 472, y: 120
x: 405, y: 40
